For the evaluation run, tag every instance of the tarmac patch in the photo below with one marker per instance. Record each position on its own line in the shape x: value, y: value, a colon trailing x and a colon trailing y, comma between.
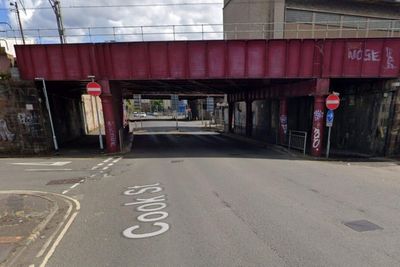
x: 66, y: 181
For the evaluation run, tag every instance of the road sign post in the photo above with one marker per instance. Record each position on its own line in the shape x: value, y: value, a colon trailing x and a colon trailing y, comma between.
x: 332, y: 103
x: 94, y: 89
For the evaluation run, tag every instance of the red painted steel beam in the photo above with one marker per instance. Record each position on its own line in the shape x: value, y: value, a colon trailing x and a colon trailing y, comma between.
x: 229, y: 59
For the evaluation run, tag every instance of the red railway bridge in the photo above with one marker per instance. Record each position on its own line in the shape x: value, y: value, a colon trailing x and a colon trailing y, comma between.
x: 245, y: 70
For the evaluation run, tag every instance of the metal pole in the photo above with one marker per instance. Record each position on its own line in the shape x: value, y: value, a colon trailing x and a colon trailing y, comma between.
x: 328, y: 145
x: 98, y: 120
x: 19, y: 22
x: 51, y: 119
x: 202, y: 117
x: 176, y: 119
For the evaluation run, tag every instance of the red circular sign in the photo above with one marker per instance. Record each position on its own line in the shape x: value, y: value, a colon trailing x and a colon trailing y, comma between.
x: 332, y: 102
x: 93, y: 89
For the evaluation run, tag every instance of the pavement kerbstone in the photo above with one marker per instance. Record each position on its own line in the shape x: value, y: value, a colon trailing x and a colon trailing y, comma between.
x: 22, y: 218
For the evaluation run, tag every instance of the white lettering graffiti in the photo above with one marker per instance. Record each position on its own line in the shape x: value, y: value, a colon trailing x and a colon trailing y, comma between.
x: 318, y: 115
x: 390, y: 59
x: 151, y: 206
x: 283, y: 120
x: 5, y: 133
x: 359, y: 54
x: 113, y: 135
x: 316, y: 138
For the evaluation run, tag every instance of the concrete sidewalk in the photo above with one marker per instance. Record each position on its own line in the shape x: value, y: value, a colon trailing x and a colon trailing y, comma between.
x: 29, y: 222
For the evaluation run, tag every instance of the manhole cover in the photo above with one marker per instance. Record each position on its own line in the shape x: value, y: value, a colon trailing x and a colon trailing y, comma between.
x: 362, y: 226
x: 176, y: 161
x: 66, y: 181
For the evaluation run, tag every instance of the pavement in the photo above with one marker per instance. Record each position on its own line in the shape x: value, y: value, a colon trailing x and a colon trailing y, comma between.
x: 29, y: 223
x: 191, y: 197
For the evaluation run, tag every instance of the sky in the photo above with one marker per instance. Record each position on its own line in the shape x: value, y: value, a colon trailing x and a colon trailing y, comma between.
x: 115, y: 17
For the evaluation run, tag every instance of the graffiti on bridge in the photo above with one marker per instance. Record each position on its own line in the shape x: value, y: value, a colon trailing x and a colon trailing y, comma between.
x: 5, y: 133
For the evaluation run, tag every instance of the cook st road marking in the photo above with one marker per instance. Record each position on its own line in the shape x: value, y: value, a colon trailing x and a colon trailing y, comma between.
x: 152, y: 208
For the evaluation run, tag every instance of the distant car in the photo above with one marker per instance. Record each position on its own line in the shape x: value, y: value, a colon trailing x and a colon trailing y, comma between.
x: 142, y: 114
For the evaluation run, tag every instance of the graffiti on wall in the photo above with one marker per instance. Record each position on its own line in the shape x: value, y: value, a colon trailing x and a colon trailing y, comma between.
x: 390, y: 59
x: 316, y: 138
x: 5, y: 133
x: 283, y: 121
x: 26, y: 119
x: 373, y: 55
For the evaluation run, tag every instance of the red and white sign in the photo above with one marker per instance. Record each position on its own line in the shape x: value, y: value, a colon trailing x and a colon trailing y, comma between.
x: 332, y: 102
x: 93, y: 89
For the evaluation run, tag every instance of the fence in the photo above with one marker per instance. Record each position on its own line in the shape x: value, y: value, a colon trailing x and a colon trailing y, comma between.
x: 325, y: 29
x: 298, y: 140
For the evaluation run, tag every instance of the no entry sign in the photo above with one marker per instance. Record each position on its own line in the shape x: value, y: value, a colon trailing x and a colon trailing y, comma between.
x: 93, y: 89
x: 332, y: 102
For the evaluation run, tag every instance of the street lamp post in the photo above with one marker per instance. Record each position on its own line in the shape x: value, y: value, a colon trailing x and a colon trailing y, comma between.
x: 49, y: 111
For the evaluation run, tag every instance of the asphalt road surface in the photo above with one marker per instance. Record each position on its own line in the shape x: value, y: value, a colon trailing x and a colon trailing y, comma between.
x: 197, y: 198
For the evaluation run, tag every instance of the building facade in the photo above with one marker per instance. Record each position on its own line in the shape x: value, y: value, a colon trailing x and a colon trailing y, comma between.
x: 255, y: 19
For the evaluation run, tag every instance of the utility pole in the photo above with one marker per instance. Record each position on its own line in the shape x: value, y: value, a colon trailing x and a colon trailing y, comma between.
x: 55, y: 4
x: 15, y: 4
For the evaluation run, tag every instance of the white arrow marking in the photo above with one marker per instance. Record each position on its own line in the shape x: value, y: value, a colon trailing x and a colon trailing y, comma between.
x: 58, y: 163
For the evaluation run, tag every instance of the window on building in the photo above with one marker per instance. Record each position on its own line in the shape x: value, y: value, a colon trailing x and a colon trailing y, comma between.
x: 327, y: 18
x: 355, y: 22
x: 299, y: 16
x: 380, y: 24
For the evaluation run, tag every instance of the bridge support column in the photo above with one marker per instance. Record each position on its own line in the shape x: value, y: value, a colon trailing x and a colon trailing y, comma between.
x: 110, y: 117
x: 283, y: 120
x: 318, y: 126
x: 249, y: 118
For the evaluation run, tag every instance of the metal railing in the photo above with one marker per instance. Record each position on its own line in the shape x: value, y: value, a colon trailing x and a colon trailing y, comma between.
x: 359, y: 29
x: 298, y: 140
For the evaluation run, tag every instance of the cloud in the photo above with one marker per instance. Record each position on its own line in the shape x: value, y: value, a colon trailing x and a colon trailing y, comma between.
x: 84, y: 18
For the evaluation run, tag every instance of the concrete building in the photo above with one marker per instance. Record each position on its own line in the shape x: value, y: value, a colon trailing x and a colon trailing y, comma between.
x: 265, y: 19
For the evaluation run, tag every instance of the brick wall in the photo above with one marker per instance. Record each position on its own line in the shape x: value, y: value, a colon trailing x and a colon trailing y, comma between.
x: 22, y: 119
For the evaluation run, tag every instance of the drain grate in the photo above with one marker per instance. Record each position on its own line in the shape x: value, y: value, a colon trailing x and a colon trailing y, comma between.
x: 362, y: 226
x: 66, y: 181
x: 177, y: 161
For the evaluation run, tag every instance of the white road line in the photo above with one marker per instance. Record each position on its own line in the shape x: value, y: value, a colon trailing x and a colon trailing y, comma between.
x: 95, y: 167
x: 118, y: 159
x: 93, y: 175
x: 75, y: 185
x: 100, y: 164
x: 101, y: 171
x: 46, y: 170
x: 55, y: 244
x: 105, y: 168
x: 65, y: 191
x: 46, y: 245
x: 109, y: 165
x: 107, y: 160
x: 32, y: 265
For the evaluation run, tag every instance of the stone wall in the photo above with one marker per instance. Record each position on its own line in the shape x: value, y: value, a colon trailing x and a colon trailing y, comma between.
x: 23, y: 120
